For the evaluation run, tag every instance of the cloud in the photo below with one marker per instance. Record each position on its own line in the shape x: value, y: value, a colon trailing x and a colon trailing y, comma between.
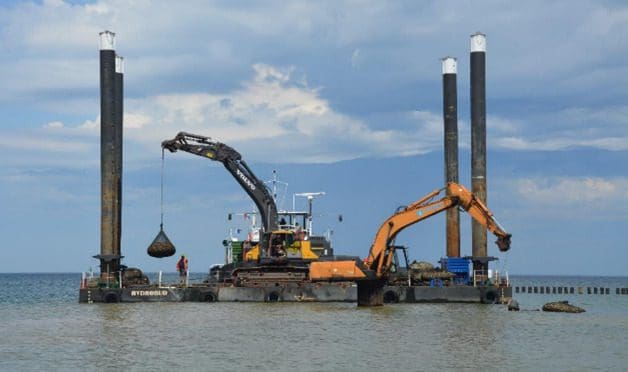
x: 329, y: 83
x: 355, y: 58
x: 584, y: 193
x: 557, y: 144
x: 170, y: 41
x: 559, y: 202
x: 54, y: 144
x: 603, y: 128
x: 39, y: 143
x: 275, y: 116
x: 278, y: 108
x: 278, y: 117
x: 54, y: 124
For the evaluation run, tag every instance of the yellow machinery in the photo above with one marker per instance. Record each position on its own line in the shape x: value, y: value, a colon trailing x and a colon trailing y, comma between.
x: 284, y: 243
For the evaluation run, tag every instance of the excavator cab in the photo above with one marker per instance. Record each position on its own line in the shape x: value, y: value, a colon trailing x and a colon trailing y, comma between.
x: 279, y: 244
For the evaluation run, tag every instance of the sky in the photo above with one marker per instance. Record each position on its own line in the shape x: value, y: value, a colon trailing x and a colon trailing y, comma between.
x: 343, y: 97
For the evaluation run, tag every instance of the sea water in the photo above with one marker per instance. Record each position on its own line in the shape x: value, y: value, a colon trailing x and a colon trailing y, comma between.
x: 43, y: 327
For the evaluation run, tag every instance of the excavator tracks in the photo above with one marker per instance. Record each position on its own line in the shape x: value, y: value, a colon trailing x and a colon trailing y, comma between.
x: 269, y: 275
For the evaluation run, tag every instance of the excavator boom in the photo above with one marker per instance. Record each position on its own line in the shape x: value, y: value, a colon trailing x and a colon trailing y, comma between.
x: 232, y: 160
x: 381, y: 254
x: 380, y: 258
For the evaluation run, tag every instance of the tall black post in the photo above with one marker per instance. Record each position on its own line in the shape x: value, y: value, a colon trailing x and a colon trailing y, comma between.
x: 450, y: 117
x: 478, y: 141
x: 118, y: 134
x: 109, y: 258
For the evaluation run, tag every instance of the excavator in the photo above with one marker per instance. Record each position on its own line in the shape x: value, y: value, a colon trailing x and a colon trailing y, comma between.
x: 232, y: 160
x: 283, y: 249
x: 372, y: 273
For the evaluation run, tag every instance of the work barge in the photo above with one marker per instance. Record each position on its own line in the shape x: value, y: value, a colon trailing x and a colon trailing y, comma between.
x: 292, y: 292
x: 253, y: 273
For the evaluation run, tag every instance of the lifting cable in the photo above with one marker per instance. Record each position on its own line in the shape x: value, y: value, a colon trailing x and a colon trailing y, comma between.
x: 161, y: 245
x: 161, y: 224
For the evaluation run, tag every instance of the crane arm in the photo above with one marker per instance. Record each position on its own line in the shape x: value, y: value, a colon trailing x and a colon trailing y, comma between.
x: 480, y: 212
x: 379, y: 260
x: 381, y: 253
x: 232, y: 161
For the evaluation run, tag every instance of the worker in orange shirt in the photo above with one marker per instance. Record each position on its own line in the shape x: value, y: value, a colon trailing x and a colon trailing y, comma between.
x: 182, y: 268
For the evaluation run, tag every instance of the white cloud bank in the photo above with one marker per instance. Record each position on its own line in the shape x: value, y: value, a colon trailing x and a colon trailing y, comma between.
x: 581, y: 192
x: 604, y: 128
x: 272, y: 117
x: 275, y: 116
x: 558, y: 201
x: 39, y: 142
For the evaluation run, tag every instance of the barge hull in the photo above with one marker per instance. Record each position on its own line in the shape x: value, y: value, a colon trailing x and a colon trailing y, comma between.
x: 310, y: 292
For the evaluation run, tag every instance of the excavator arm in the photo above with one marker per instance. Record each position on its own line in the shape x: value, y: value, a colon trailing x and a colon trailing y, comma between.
x: 232, y: 160
x: 381, y: 254
x: 380, y: 258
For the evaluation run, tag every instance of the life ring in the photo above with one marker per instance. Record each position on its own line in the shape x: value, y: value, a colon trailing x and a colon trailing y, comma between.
x: 210, y: 297
x: 111, y: 297
x: 391, y: 297
x: 489, y: 296
x: 273, y: 297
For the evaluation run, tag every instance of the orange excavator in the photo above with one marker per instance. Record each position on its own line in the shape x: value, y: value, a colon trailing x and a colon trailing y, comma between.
x: 372, y: 273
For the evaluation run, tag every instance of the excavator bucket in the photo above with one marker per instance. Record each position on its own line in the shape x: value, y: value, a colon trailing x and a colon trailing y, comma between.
x: 503, y: 243
x: 161, y: 246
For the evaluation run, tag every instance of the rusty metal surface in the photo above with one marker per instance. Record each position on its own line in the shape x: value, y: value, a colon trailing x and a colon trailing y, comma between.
x: 306, y: 292
x: 478, y: 232
x: 478, y: 148
x: 117, y: 149
x: 450, y: 115
x: 108, y: 169
x: 371, y: 292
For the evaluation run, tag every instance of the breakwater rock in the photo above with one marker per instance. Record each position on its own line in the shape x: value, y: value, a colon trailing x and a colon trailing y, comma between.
x: 562, y: 307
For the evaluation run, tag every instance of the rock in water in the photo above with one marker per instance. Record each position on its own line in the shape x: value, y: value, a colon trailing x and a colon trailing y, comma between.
x: 562, y: 307
x: 513, y: 305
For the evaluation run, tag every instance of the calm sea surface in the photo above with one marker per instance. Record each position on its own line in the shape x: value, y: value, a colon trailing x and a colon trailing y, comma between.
x: 42, y: 327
